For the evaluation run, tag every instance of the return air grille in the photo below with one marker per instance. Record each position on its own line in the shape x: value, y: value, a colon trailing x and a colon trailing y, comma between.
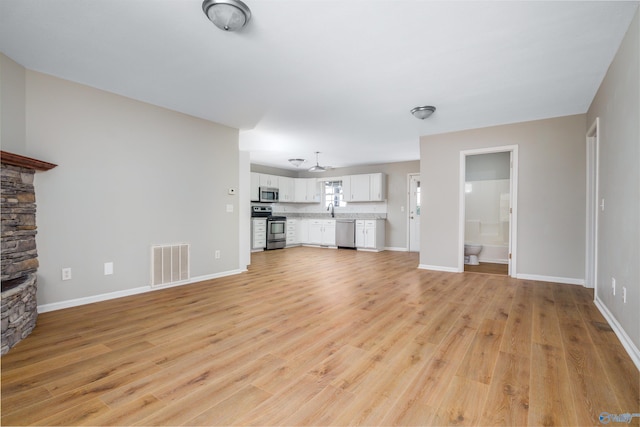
x: 169, y: 264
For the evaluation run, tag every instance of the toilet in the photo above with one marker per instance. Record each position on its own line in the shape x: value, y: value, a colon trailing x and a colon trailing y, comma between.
x: 471, y: 252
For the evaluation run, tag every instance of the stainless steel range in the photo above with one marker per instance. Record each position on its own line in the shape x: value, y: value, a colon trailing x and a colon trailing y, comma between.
x: 276, y: 226
x: 276, y: 232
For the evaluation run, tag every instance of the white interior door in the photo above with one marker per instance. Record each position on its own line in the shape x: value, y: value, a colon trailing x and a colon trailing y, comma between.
x: 414, y: 213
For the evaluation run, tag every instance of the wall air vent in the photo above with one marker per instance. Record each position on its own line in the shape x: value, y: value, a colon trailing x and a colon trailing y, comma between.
x: 170, y: 264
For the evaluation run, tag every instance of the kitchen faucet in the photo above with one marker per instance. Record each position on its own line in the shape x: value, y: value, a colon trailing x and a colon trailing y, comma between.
x: 331, y: 206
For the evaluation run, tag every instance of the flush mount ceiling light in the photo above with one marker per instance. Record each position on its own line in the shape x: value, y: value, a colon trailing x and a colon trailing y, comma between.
x: 228, y: 15
x: 423, y: 112
x: 317, y: 167
x: 297, y: 162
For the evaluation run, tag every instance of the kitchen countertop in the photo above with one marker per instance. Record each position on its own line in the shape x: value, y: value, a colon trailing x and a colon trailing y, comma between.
x: 327, y: 215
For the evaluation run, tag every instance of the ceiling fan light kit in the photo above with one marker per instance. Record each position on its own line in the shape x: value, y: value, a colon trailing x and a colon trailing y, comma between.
x: 228, y: 15
x: 423, y: 112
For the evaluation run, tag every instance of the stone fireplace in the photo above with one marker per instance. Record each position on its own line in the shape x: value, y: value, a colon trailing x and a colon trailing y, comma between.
x: 18, y: 241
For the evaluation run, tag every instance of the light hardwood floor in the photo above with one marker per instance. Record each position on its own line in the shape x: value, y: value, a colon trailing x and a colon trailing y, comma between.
x: 326, y: 337
x: 488, y: 268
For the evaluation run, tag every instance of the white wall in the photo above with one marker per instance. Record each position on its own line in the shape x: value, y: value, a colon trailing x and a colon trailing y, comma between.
x: 617, y: 104
x: 551, y: 195
x: 129, y: 175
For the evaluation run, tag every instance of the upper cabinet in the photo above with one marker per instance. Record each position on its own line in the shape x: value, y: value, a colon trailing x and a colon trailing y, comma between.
x: 287, y: 189
x: 254, y: 190
x: 269, y: 180
x: 262, y: 180
x: 356, y: 188
x: 378, y: 186
x: 364, y: 188
x: 291, y: 190
x: 307, y: 190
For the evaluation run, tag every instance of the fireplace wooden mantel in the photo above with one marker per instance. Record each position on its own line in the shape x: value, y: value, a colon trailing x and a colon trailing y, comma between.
x: 25, y: 162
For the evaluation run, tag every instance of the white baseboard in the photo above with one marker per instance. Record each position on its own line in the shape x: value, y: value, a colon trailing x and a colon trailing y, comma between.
x: 128, y: 292
x: 396, y: 249
x: 628, y: 345
x: 438, y: 268
x: 565, y: 280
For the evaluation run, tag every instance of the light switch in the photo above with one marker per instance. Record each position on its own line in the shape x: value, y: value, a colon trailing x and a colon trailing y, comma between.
x: 229, y: 208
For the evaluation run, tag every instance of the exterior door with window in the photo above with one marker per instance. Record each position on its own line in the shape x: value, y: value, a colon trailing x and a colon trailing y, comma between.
x: 414, y: 212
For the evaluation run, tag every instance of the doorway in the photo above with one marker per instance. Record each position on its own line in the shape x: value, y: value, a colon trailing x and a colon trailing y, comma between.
x: 413, y: 230
x: 487, y: 217
x: 591, y: 260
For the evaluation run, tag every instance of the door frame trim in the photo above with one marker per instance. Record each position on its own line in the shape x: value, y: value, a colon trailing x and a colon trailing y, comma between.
x: 513, y: 223
x: 592, y: 210
x: 409, y: 175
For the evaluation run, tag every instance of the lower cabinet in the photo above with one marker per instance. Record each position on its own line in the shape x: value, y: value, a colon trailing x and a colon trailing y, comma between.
x: 322, y: 232
x: 258, y: 234
x: 370, y: 234
x: 292, y: 232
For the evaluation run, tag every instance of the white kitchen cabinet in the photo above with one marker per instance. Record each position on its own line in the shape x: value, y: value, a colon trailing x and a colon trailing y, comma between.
x: 262, y: 180
x: 370, y: 234
x: 269, y: 180
x: 254, y: 188
x: 377, y: 187
x: 287, y: 189
x: 329, y: 233
x: 258, y: 234
x: 292, y: 232
x: 359, y: 188
x: 306, y: 190
x: 303, y: 231
x: 364, y: 187
x: 322, y: 232
x: 300, y: 189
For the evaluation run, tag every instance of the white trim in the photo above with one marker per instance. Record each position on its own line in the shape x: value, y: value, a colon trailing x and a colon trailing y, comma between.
x: 628, y: 345
x: 539, y: 278
x: 128, y: 292
x: 409, y: 176
x: 513, y: 223
x: 592, y: 210
x: 396, y: 249
x: 438, y: 268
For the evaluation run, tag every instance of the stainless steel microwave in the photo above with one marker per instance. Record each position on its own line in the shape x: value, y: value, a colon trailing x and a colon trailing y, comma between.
x: 268, y: 194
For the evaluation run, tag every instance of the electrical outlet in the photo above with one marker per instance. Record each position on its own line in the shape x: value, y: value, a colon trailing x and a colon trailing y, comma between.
x: 66, y: 274
x: 613, y: 286
x: 624, y: 294
x: 217, y: 254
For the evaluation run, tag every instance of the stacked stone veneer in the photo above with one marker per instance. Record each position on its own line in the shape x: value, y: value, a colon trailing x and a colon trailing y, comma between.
x: 19, y: 312
x: 19, y: 255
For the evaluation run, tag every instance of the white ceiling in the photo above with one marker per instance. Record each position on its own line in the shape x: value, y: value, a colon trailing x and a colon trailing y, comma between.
x: 337, y: 77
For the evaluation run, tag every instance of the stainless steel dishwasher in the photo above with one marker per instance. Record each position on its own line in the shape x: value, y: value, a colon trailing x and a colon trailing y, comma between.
x: 346, y: 233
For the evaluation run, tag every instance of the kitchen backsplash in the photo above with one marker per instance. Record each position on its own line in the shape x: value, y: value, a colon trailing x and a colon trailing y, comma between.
x: 353, y: 210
